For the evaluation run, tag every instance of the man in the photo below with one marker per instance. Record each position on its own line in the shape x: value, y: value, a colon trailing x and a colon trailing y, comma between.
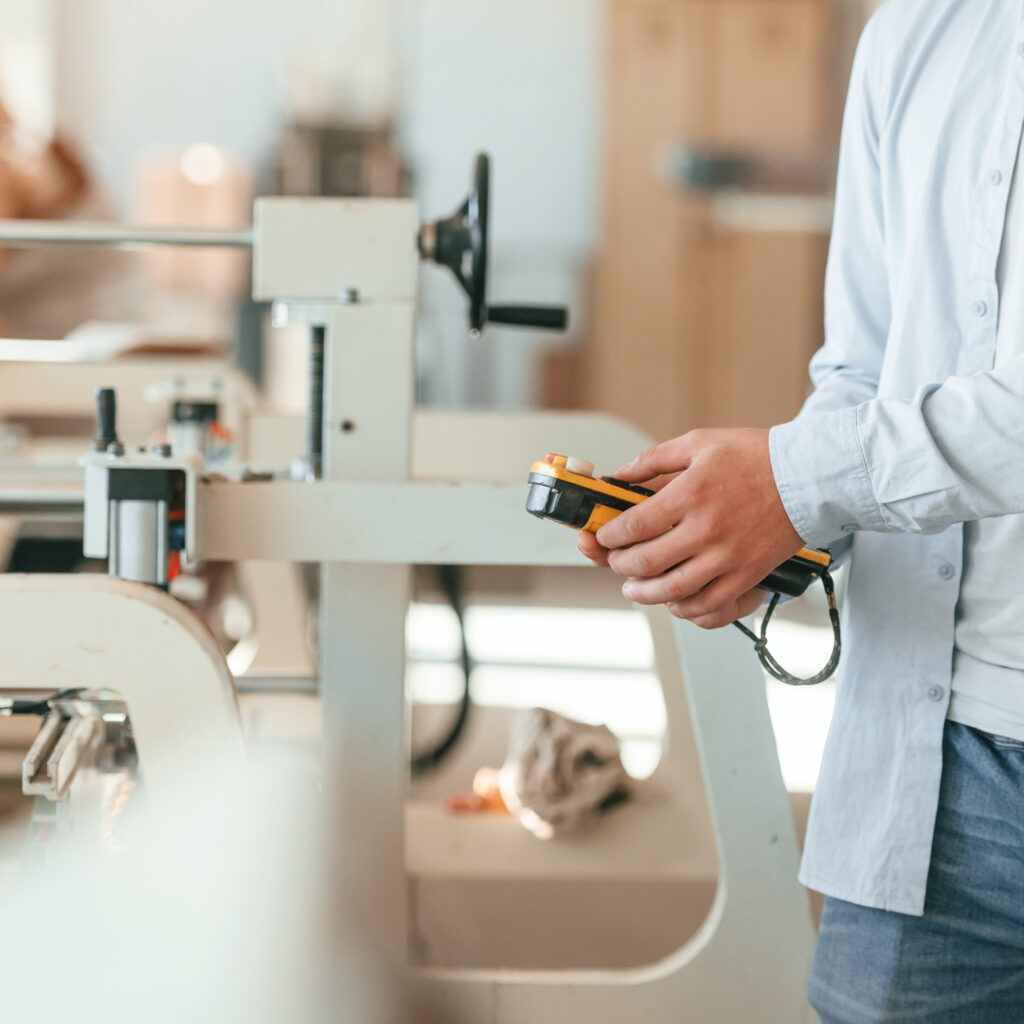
x: 909, y: 455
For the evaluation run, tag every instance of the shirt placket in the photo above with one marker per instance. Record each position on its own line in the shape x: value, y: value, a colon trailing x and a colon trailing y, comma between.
x: 979, y: 320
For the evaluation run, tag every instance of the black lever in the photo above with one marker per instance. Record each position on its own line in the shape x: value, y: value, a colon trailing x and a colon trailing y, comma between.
x: 554, y: 318
x: 106, y: 419
x: 460, y: 242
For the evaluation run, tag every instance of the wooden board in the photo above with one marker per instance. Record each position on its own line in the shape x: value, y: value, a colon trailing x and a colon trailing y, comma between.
x: 648, y: 281
x: 697, y: 322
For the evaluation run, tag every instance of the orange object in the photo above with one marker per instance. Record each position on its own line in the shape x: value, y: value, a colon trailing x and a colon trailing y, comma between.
x: 485, y: 798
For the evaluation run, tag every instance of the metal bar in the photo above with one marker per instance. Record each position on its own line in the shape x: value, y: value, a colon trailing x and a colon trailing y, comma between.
x: 114, y: 540
x: 56, y: 232
x: 277, y: 684
x: 547, y: 665
x: 162, y: 550
x: 24, y: 501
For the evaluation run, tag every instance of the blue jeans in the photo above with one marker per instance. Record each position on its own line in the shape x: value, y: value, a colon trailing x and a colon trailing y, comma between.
x: 963, y: 961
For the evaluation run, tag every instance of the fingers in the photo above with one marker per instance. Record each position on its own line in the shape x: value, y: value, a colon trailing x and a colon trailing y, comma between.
x: 668, y: 457
x: 678, y: 585
x: 738, y: 608
x: 653, y: 557
x: 649, y: 519
x: 588, y: 545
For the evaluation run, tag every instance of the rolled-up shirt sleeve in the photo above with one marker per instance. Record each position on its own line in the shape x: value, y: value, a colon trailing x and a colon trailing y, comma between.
x: 822, y: 476
x: 951, y: 454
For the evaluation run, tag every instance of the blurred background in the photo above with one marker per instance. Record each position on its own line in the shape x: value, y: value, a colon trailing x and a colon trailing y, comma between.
x: 664, y: 168
x: 661, y: 166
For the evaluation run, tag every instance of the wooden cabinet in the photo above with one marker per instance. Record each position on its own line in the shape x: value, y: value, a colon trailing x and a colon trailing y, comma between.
x: 699, y: 319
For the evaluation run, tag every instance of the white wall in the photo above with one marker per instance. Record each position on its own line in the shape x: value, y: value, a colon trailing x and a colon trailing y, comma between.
x: 519, y: 79
x: 139, y: 73
x: 26, y: 63
x: 515, y: 77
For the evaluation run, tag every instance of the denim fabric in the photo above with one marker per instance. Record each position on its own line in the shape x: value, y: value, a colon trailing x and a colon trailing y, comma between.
x: 963, y: 961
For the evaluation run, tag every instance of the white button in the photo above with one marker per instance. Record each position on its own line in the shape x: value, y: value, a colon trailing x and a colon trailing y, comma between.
x: 849, y: 527
x: 1020, y: 49
x: 995, y: 177
x: 936, y: 692
x: 946, y: 571
x: 579, y: 466
x: 979, y: 308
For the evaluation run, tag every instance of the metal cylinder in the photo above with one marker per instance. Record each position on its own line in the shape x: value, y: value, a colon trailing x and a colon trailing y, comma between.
x: 162, y: 546
x: 135, y: 541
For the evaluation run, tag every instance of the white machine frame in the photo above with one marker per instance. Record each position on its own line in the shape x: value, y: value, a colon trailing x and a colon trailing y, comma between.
x: 351, y: 267
x: 103, y: 633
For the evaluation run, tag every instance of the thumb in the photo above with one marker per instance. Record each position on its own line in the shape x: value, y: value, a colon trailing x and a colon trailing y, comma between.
x: 669, y: 457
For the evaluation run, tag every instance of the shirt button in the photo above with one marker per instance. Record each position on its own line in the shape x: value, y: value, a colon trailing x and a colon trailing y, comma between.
x: 1020, y: 49
x: 995, y: 177
x: 936, y: 692
x: 979, y: 309
x: 849, y: 527
x: 946, y: 571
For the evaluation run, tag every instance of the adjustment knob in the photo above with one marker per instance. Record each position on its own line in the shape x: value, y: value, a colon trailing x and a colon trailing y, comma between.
x: 106, y: 419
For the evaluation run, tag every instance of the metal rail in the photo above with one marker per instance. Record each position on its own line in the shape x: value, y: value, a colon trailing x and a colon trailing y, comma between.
x: 26, y: 501
x: 305, y: 684
x: 58, y: 232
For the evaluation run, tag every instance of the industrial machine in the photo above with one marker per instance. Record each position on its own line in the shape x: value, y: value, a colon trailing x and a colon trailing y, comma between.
x: 384, y: 487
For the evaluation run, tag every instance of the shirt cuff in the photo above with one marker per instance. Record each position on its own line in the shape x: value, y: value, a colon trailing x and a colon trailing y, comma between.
x: 822, y: 477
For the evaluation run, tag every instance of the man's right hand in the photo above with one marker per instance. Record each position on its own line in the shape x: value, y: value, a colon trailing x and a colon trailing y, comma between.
x: 588, y: 543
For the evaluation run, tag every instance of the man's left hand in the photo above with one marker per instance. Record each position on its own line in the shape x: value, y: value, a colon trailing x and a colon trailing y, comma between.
x: 706, y: 539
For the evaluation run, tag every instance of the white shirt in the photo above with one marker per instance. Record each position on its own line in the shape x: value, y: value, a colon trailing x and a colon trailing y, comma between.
x: 988, y: 664
x: 911, y: 430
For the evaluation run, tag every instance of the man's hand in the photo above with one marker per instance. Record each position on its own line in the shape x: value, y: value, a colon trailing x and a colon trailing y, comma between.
x: 587, y: 542
x: 709, y: 536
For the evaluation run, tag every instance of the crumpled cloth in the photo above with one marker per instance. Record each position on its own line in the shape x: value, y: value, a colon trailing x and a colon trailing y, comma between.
x: 560, y: 774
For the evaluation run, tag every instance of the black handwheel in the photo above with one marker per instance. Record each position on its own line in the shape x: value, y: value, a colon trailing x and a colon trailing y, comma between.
x: 460, y: 242
x: 478, y: 207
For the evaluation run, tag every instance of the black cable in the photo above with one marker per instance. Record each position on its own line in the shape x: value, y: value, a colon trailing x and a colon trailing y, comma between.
x: 772, y: 666
x: 449, y: 578
x: 38, y: 705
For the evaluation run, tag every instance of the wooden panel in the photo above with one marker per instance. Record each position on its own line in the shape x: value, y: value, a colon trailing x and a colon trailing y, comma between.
x: 765, y: 309
x: 695, y: 323
x: 647, y: 286
x: 771, y: 73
